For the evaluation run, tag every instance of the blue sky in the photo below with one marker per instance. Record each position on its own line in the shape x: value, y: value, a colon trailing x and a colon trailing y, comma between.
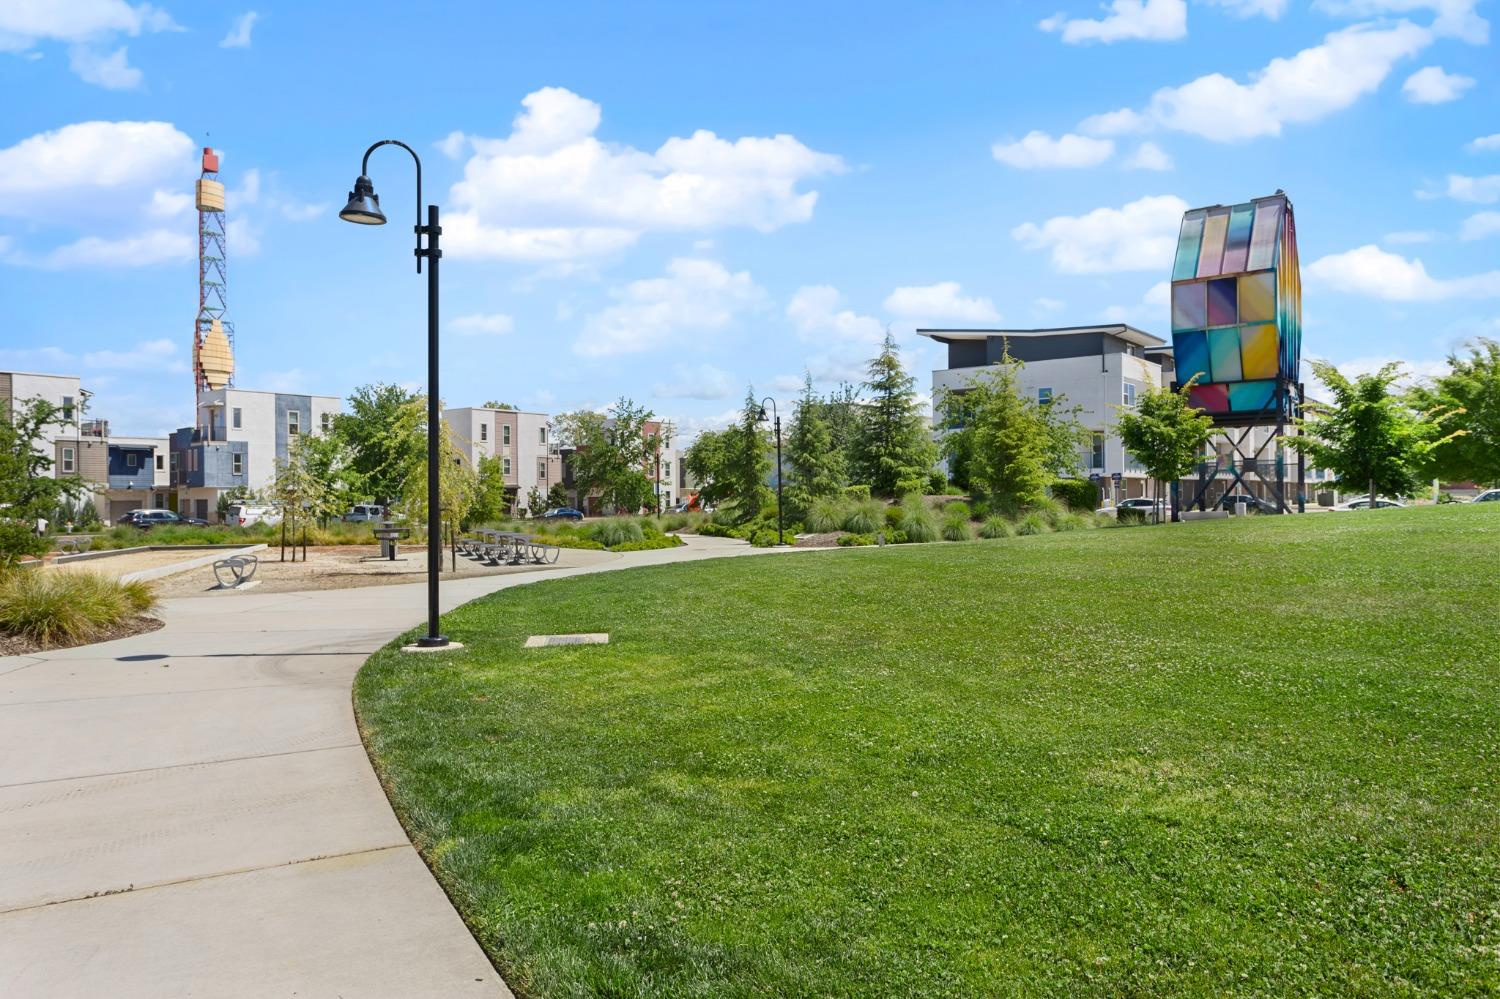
x: 669, y: 201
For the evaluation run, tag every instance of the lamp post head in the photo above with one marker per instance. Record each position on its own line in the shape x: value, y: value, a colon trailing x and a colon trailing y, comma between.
x: 762, y: 416
x: 364, y: 204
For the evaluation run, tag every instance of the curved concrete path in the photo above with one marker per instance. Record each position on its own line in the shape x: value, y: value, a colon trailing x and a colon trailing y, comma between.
x: 191, y: 812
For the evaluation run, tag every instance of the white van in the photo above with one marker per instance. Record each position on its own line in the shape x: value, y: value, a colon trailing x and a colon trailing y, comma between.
x: 244, y: 514
x: 365, y: 513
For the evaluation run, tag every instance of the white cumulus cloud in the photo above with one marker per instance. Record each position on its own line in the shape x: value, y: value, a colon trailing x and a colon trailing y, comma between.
x: 1138, y: 236
x: 698, y: 381
x: 1451, y: 18
x: 944, y: 300
x: 694, y: 297
x: 1485, y: 144
x: 1480, y: 226
x: 1149, y: 156
x: 483, y: 324
x: 239, y: 32
x: 1269, y: 9
x: 552, y: 190
x: 155, y: 246
x: 1125, y: 20
x: 1475, y: 190
x: 1431, y: 85
x: 1038, y: 150
x: 88, y: 27
x: 1369, y: 270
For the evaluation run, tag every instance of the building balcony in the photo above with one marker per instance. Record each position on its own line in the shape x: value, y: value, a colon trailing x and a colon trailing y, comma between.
x: 142, y: 479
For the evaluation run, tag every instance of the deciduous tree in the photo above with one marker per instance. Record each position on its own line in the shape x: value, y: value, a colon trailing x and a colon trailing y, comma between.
x: 1471, y: 390
x: 1165, y: 433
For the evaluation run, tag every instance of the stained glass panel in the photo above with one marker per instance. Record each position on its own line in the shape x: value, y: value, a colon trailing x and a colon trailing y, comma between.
x: 1258, y: 297
x: 1251, y: 397
x: 1224, y: 354
x: 1237, y: 246
x: 1188, y: 241
x: 1258, y: 351
x: 1189, y: 306
x: 1191, y: 351
x: 1221, y: 303
x: 1211, y: 256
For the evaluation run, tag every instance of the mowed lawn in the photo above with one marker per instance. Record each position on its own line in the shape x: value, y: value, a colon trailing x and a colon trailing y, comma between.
x: 1253, y: 757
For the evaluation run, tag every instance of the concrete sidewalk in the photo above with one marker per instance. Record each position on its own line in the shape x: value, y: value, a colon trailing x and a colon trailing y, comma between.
x: 190, y: 812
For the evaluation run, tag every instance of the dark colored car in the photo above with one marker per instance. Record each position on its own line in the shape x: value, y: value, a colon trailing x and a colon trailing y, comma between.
x: 147, y: 519
x: 562, y: 513
x: 1229, y: 501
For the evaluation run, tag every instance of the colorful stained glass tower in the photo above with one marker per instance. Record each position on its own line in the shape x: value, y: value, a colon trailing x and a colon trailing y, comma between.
x: 1237, y: 309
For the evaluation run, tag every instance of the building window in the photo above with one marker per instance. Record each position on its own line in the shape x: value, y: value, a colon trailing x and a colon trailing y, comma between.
x: 505, y: 435
x: 174, y: 468
x: 132, y: 459
x: 542, y: 435
x: 236, y: 418
x: 1129, y: 394
x: 237, y: 464
x: 158, y: 467
x: 327, y: 422
x: 67, y: 407
x: 67, y: 460
x: 484, y: 431
x: 666, y: 470
x: 541, y: 469
x: 1096, y: 459
x: 1044, y: 395
x: 293, y: 423
x: 505, y: 466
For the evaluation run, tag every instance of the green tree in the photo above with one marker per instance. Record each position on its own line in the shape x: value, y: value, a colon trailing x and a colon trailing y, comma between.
x: 536, y: 503
x: 1166, y: 434
x: 28, y: 490
x: 491, y: 501
x: 498, y: 405
x: 457, y: 481
x: 814, y: 466
x: 706, y: 462
x: 230, y: 497
x: 330, y: 459
x: 557, y: 495
x: 747, y: 461
x: 1003, y: 441
x: 1471, y: 391
x: 1370, y: 438
x: 297, y: 494
x: 894, y: 451
x: 611, y: 454
x: 384, y: 434
x: 844, y: 414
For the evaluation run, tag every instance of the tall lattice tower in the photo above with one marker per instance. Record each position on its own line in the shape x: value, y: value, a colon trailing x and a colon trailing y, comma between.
x: 213, y: 333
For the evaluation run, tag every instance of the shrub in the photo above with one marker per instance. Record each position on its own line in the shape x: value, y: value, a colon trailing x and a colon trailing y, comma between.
x: 18, y: 540
x: 569, y: 541
x: 865, y: 517
x: 957, y: 529
x: 617, y: 531
x: 765, y: 537
x: 1070, y: 521
x: 1077, y: 494
x: 937, y: 483
x: 957, y: 508
x: 715, y: 530
x: 1033, y: 523
x: 1049, y: 510
x: 893, y: 516
x: 996, y: 526
x: 649, y: 544
x: 827, y: 514
x: 857, y: 493
x: 855, y: 540
x: 916, y: 520
x: 1130, y: 517
x: 50, y: 607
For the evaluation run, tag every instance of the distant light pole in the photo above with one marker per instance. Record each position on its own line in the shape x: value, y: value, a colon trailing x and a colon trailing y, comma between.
x: 761, y: 418
x: 364, y: 208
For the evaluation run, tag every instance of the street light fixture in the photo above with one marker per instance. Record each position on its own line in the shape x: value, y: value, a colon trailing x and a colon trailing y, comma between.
x: 363, y: 208
x: 761, y: 418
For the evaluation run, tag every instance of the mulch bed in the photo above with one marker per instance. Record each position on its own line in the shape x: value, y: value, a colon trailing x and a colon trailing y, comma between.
x: 15, y: 645
x: 829, y: 540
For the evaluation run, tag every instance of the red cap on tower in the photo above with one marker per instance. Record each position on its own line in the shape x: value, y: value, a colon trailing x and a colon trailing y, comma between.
x: 210, y: 160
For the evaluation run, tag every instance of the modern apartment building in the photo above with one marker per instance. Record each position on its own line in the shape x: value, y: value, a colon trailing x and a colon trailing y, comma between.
x: 240, y: 437
x: 1099, y: 369
x: 522, y: 441
x: 663, y: 470
x: 1102, y: 369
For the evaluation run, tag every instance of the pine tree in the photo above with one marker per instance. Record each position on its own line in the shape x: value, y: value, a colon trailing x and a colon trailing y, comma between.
x: 895, y: 452
x: 747, y: 461
x: 814, y: 467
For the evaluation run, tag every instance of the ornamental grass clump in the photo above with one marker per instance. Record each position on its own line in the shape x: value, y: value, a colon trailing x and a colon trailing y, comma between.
x: 54, y: 607
x: 826, y: 514
x: 617, y: 531
x: 916, y: 520
x: 1033, y: 523
x: 996, y: 526
x: 957, y: 529
x: 865, y: 517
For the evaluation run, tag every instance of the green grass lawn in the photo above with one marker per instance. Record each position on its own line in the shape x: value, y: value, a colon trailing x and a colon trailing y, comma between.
x: 1252, y: 757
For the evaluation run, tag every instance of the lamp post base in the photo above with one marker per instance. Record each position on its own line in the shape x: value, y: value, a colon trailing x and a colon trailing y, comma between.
x: 429, y: 643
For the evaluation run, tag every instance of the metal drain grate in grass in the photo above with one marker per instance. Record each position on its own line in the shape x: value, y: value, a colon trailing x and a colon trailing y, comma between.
x: 549, y: 641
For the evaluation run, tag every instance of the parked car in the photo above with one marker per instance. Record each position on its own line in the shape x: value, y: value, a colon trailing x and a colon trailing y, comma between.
x: 147, y: 519
x: 1363, y: 503
x: 1252, y: 503
x: 363, y: 513
x: 1140, y: 504
x: 243, y: 515
x: 685, y: 506
x: 562, y: 513
x: 127, y: 518
x: 1488, y: 496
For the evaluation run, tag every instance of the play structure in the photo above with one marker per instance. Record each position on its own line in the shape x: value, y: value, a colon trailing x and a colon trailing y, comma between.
x: 1237, y: 336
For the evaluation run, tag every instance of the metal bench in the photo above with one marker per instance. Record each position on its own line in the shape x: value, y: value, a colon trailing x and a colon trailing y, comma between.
x: 69, y: 546
x: 235, y: 570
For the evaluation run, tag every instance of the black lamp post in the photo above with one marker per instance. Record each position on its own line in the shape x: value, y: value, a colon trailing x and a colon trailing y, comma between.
x: 364, y: 208
x: 780, y: 540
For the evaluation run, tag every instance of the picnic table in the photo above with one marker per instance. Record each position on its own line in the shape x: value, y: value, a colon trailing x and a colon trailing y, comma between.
x: 388, y: 535
x: 508, y: 548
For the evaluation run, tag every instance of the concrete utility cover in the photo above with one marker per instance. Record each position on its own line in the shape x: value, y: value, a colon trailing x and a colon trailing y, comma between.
x: 547, y: 641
